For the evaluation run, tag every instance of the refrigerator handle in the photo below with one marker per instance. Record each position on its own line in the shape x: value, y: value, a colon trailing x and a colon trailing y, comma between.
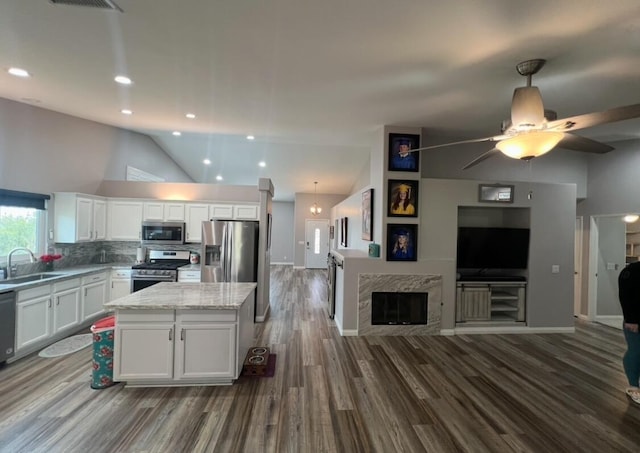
x: 229, y: 254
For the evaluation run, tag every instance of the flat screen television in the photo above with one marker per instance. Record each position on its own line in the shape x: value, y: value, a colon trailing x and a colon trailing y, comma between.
x: 492, y: 248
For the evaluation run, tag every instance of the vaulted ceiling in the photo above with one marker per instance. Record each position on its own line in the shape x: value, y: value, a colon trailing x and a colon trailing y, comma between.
x: 314, y: 81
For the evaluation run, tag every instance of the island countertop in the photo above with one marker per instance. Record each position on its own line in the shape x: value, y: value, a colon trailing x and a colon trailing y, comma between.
x: 185, y: 296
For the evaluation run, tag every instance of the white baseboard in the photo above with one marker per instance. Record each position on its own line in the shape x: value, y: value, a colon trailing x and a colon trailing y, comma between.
x: 447, y: 332
x: 511, y: 329
x: 288, y: 263
x: 611, y: 321
x: 348, y: 333
x: 262, y: 317
x: 298, y: 267
x: 583, y: 317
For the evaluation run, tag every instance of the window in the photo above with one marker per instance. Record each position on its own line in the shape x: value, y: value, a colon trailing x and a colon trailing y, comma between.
x: 316, y: 241
x: 21, y: 227
x: 22, y: 223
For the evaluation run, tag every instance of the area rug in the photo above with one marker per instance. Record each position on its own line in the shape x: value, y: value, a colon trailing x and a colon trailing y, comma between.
x: 67, y: 345
x: 270, y: 371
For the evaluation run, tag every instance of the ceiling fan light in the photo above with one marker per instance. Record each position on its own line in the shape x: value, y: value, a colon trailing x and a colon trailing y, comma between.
x: 530, y: 144
x: 527, y: 111
x: 631, y: 218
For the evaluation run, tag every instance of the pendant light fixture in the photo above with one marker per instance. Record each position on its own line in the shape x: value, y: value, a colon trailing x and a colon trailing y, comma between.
x: 315, y: 209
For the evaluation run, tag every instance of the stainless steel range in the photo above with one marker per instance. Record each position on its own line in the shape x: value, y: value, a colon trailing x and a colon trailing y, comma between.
x: 162, y: 266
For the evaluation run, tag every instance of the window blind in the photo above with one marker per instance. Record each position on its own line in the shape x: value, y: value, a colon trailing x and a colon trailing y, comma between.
x: 23, y: 199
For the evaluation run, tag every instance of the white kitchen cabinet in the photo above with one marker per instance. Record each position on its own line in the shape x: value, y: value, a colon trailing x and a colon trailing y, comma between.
x: 221, y: 211
x: 245, y: 212
x: 164, y: 211
x: 188, y: 275
x: 78, y: 218
x: 196, y: 213
x: 177, y: 347
x: 144, y: 351
x: 33, y: 316
x: 120, y: 283
x: 66, y: 305
x: 196, y: 337
x: 124, y: 220
x: 94, y: 295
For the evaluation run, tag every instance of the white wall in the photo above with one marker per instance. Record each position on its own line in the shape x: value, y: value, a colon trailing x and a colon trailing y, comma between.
x: 282, y: 233
x: 45, y: 151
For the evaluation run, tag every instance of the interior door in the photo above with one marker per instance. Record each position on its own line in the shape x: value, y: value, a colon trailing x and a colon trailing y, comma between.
x: 316, y: 244
x: 577, y: 268
x: 611, y: 253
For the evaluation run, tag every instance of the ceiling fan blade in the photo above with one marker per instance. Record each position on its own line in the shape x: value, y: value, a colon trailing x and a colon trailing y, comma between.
x: 481, y: 157
x: 495, y: 138
x: 596, y: 118
x: 578, y: 143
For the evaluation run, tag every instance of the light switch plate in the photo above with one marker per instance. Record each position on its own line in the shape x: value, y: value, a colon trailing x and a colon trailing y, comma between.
x: 555, y: 268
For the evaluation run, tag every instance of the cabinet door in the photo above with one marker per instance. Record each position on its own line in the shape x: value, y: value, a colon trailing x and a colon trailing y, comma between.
x: 473, y: 304
x: 84, y: 223
x: 196, y: 214
x: 221, y: 211
x: 245, y: 212
x: 33, y: 318
x: 174, y: 212
x: 66, y: 309
x: 143, y: 351
x: 99, y: 220
x: 205, y: 350
x: 120, y: 287
x: 125, y: 218
x: 153, y: 210
x: 93, y: 299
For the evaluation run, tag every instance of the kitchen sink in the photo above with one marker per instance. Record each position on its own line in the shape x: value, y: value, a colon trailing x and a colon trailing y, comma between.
x: 29, y: 278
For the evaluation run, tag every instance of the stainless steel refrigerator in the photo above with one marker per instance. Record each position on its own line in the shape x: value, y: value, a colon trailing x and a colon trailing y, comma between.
x: 229, y: 251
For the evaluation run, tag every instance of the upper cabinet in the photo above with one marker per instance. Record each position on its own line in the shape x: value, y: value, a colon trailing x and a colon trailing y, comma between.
x: 164, y: 211
x: 245, y: 212
x: 79, y: 218
x: 196, y: 213
x: 124, y: 219
x: 221, y: 211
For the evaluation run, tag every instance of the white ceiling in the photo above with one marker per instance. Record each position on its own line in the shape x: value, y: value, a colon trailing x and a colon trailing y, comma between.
x: 314, y: 81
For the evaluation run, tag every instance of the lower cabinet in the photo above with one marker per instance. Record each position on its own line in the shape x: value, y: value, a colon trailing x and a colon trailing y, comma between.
x: 490, y: 301
x: 94, y: 295
x: 33, y: 316
x: 66, y: 305
x: 165, y: 346
x: 120, y: 283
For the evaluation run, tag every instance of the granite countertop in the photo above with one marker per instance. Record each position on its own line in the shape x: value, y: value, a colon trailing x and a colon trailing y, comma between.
x: 181, y: 296
x: 62, y: 274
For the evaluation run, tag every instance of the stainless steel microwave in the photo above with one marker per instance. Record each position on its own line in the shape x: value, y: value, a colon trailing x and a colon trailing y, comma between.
x: 163, y: 233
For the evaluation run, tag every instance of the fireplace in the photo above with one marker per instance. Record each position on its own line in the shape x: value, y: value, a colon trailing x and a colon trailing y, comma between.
x: 404, y: 308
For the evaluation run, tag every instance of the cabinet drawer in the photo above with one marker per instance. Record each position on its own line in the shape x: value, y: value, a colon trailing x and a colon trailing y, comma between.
x: 207, y: 315
x: 189, y: 274
x: 32, y: 293
x: 94, y: 278
x: 145, y: 316
x: 66, y: 284
x: 121, y: 273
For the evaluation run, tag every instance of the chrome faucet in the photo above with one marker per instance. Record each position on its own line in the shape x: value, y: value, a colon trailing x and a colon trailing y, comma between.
x: 32, y: 257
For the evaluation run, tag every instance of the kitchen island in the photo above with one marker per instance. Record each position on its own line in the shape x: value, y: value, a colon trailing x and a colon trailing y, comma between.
x: 181, y: 334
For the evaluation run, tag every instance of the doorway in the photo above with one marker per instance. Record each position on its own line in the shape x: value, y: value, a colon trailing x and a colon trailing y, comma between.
x: 316, y: 244
x: 577, y: 269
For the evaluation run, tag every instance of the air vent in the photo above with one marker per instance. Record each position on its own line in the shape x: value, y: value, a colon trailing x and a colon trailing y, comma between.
x: 102, y: 4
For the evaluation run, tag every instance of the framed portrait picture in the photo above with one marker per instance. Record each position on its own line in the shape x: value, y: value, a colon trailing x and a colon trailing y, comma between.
x: 400, y: 156
x: 402, y: 242
x: 367, y: 215
x: 344, y: 225
x: 402, y: 198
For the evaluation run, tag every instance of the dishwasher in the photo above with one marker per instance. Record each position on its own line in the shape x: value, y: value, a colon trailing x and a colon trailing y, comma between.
x: 7, y: 325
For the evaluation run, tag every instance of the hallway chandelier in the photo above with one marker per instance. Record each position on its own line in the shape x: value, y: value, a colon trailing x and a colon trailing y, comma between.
x: 315, y: 209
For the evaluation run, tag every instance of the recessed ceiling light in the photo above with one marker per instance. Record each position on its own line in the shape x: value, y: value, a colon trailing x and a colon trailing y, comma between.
x: 19, y: 72
x: 262, y: 164
x: 206, y: 162
x: 631, y: 218
x: 177, y: 133
x: 123, y: 80
x: 191, y: 115
x: 126, y: 112
x: 250, y: 137
x: 218, y: 178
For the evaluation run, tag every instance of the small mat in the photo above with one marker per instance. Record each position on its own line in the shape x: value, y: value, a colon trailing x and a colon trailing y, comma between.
x: 271, y: 368
x: 67, y: 345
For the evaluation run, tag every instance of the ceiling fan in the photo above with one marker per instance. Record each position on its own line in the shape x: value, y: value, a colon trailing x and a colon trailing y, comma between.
x: 533, y: 131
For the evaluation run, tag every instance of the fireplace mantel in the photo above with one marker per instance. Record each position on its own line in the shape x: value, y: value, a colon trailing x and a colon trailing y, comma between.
x: 370, y: 283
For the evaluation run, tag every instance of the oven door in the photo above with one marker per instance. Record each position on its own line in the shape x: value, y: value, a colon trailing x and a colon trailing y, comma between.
x: 138, y: 283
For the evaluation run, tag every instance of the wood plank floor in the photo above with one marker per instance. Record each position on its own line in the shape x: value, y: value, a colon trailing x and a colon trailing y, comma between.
x: 468, y: 393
